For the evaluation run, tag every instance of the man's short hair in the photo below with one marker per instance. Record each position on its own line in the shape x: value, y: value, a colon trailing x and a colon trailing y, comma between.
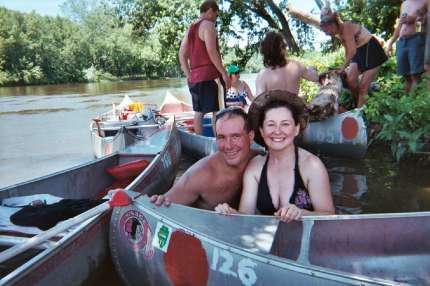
x: 231, y: 112
x: 208, y: 4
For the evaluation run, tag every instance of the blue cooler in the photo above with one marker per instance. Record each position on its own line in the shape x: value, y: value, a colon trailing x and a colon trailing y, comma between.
x: 207, y: 127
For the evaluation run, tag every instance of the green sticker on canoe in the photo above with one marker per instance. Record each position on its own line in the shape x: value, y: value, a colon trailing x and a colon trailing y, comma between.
x: 162, y: 237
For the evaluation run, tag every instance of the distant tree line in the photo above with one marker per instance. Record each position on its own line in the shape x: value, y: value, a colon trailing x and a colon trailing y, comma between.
x: 90, y: 45
x: 108, y: 39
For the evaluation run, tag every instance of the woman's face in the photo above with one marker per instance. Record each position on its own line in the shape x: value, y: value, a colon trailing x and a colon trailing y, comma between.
x: 279, y: 128
x: 235, y: 77
x: 329, y: 28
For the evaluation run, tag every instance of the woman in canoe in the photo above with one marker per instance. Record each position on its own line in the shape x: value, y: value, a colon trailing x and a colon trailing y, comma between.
x: 239, y: 92
x: 363, y: 53
x: 288, y: 182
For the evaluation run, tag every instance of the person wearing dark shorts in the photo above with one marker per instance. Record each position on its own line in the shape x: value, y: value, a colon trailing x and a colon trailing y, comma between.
x: 369, y: 56
x: 410, y: 54
x: 201, y: 62
x: 207, y: 96
x: 410, y: 46
x: 363, y: 53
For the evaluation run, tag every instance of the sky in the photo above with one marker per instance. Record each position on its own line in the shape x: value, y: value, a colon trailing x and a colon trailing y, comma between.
x: 42, y: 7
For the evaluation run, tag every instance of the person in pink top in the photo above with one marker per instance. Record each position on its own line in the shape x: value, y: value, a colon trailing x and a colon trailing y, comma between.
x: 201, y: 62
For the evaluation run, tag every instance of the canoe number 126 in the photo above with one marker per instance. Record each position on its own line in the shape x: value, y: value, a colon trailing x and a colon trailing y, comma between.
x: 223, y: 262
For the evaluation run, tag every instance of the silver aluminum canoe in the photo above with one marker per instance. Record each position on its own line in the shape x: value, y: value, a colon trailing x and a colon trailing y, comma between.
x: 180, y: 245
x: 72, y: 256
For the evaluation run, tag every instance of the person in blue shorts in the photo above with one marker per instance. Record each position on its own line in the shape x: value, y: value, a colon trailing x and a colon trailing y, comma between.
x: 410, y: 47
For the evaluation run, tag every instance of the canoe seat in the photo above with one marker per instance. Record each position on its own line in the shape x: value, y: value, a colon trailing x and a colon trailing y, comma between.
x: 127, y: 170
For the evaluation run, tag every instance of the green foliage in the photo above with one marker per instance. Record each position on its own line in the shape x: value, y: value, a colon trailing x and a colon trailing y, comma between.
x: 243, y: 23
x: 404, y: 118
x: 39, y: 50
x: 321, y: 62
x: 379, y: 16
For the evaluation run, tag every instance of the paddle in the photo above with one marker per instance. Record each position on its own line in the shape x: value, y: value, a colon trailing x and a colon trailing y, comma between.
x: 119, y: 198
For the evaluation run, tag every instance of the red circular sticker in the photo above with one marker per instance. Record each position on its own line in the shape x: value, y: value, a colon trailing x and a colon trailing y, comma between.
x: 349, y: 128
x: 185, y: 260
x: 135, y: 230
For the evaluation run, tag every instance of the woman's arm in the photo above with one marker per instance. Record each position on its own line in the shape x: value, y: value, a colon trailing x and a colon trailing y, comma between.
x: 260, y: 85
x: 248, y: 199
x: 248, y: 91
x: 318, y: 185
x: 310, y: 73
x: 317, y: 182
x: 251, y: 178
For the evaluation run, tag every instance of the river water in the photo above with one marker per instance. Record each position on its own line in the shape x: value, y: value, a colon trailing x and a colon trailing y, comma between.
x: 44, y: 129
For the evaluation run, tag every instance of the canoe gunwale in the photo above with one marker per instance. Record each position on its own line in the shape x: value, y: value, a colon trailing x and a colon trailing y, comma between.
x: 284, y: 263
x: 68, y: 239
x: 73, y: 234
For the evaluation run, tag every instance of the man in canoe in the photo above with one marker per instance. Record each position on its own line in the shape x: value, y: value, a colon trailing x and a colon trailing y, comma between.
x: 218, y: 177
x: 202, y: 64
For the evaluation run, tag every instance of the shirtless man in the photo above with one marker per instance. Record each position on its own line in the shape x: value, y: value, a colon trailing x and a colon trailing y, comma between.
x: 216, y: 178
x: 280, y: 72
x: 201, y: 62
x: 411, y: 41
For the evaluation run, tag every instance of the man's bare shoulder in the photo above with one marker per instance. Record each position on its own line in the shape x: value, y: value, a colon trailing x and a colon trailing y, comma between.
x: 206, y: 24
x: 204, y: 166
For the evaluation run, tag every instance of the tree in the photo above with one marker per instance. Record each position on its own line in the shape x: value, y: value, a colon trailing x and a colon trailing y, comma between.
x: 379, y: 16
x: 244, y: 22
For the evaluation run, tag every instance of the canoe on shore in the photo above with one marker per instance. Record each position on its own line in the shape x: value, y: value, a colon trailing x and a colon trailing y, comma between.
x: 69, y: 258
x: 186, y: 246
x: 343, y: 135
x: 107, y: 134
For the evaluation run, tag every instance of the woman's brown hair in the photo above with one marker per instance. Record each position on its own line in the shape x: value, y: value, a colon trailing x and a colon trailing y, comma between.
x: 273, y: 48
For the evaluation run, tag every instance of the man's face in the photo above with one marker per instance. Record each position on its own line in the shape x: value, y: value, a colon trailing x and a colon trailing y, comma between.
x: 212, y: 14
x: 233, y: 140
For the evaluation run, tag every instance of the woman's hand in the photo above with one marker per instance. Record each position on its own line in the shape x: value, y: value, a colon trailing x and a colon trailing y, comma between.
x: 225, y: 209
x: 289, y: 213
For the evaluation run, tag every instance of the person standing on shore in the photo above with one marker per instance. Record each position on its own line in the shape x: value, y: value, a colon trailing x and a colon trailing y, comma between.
x: 410, y: 47
x: 201, y: 62
x: 364, y: 55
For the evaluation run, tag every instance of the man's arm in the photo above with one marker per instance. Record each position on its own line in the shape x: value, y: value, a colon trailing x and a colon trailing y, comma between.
x: 183, y: 56
x: 394, y: 37
x: 210, y: 39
